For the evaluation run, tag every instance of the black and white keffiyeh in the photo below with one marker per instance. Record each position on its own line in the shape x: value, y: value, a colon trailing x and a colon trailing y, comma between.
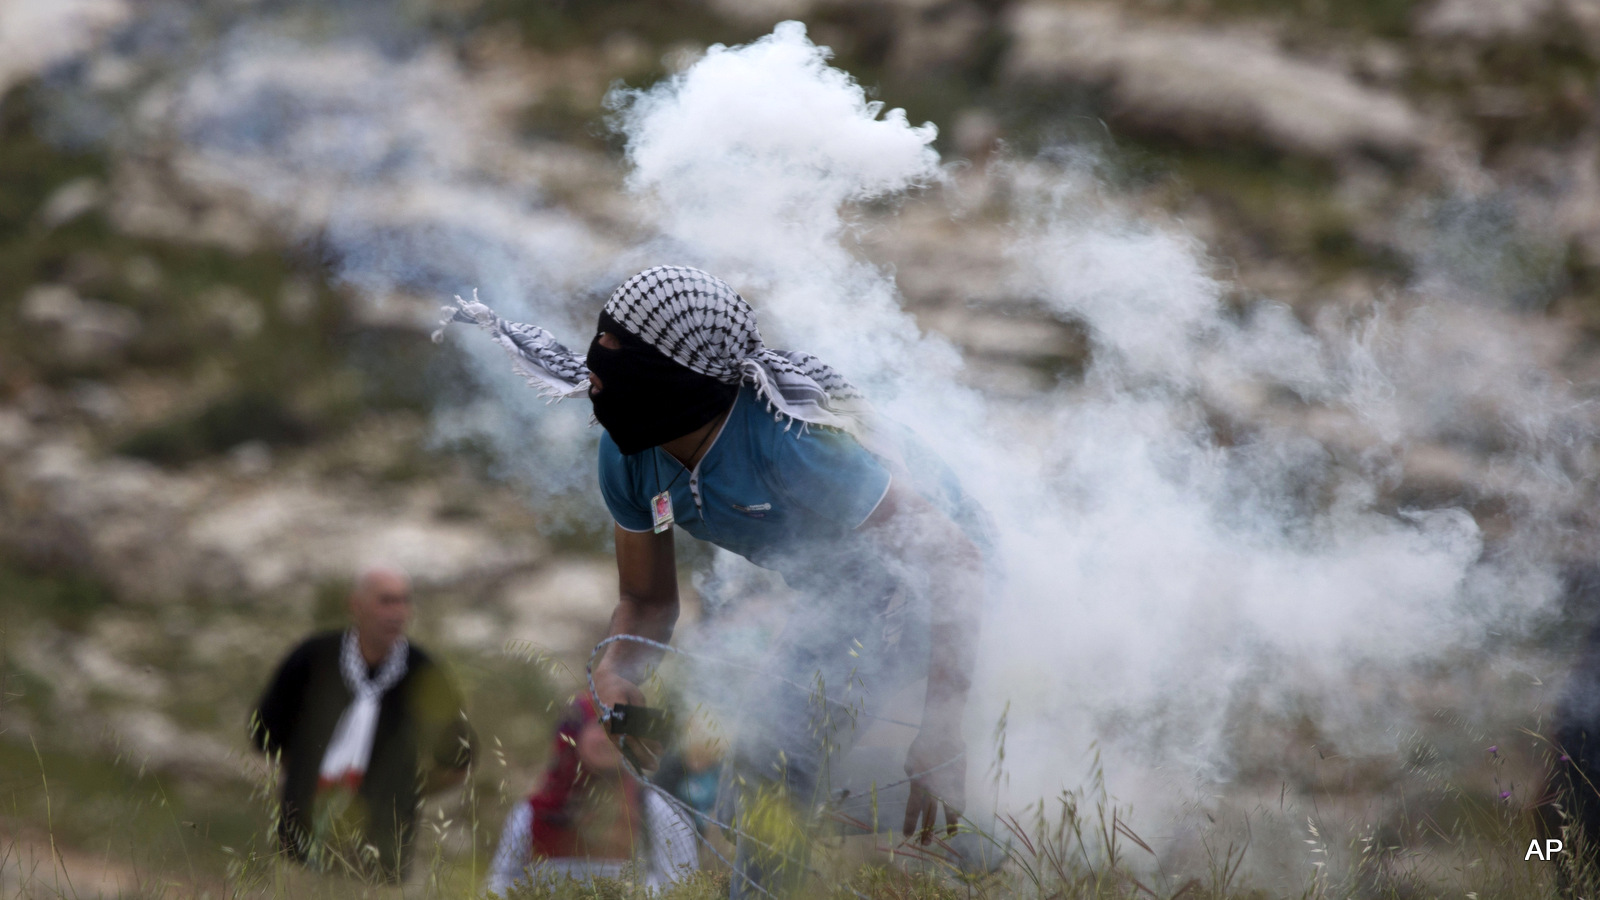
x: 350, y: 747
x: 700, y: 322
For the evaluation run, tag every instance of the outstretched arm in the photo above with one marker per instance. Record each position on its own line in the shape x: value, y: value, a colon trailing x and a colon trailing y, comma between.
x: 940, y: 559
x: 647, y: 605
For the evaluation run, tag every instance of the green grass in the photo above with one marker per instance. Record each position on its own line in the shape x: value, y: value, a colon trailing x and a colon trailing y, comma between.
x: 111, y: 804
x: 95, y: 799
x: 1435, y: 822
x: 67, y: 597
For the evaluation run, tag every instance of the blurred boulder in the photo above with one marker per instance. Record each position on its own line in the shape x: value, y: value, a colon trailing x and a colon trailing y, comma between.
x: 155, y: 740
x: 155, y: 535
x: 1028, y: 339
x: 15, y: 433
x: 84, y: 331
x: 562, y: 607
x: 98, y: 401
x: 70, y: 201
x: 1489, y: 22
x: 232, y: 312
x: 394, y: 311
x: 113, y: 518
x: 1483, y: 20
x: 280, y: 536
x: 1207, y: 85
x: 35, y: 36
x: 976, y: 134
x: 147, y: 200
x: 940, y: 261
x: 761, y: 12
x: 934, y: 36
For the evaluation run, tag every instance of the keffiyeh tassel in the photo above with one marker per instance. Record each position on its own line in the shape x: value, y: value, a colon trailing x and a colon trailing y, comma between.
x: 703, y: 324
x: 556, y: 372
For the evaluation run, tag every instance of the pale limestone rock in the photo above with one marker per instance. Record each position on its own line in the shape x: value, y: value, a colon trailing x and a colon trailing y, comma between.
x: 84, y: 330
x: 279, y: 535
x: 155, y: 740
x: 562, y: 607
x: 70, y: 201
x: 1206, y: 83
x: 110, y: 674
x: 472, y: 629
x: 1511, y: 21
x: 157, y: 535
x: 15, y: 432
x: 1483, y: 20
x: 1006, y: 337
x: 232, y: 311
x: 762, y: 12
x: 147, y: 202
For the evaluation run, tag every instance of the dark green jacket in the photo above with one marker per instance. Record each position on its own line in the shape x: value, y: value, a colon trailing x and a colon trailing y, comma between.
x: 421, y: 724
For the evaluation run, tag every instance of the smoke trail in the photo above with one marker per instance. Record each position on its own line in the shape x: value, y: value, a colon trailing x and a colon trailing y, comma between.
x: 1159, y: 577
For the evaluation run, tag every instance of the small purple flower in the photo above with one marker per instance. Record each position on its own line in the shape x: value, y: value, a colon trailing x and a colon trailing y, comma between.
x: 1495, y: 749
x: 1505, y: 795
x: 1566, y: 758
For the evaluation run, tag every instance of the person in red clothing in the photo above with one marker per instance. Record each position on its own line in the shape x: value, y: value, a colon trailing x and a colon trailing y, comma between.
x: 587, y: 818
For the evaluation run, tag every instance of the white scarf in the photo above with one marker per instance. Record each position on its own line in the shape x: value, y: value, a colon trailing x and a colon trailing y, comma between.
x: 700, y: 322
x: 350, y: 748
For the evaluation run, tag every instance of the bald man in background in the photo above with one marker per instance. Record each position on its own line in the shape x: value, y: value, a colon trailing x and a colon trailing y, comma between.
x: 365, y: 724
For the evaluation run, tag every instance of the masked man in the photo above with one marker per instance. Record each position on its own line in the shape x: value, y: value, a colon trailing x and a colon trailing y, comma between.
x: 774, y: 456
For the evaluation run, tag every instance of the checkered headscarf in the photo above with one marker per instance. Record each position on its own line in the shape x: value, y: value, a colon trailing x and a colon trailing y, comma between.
x: 701, y: 323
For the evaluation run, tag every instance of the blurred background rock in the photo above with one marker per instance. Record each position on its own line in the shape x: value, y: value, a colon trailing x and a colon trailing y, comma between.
x: 203, y: 433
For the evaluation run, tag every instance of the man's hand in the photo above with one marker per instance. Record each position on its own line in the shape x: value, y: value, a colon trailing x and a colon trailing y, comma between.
x: 908, y: 528
x: 612, y: 690
x: 647, y: 605
x: 937, y: 765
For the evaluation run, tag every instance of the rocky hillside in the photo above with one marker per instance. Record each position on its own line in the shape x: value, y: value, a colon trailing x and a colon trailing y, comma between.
x: 206, y: 423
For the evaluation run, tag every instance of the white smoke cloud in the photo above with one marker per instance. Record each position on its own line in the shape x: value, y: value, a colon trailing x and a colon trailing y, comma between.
x: 1156, y: 575
x: 775, y: 108
x: 748, y: 158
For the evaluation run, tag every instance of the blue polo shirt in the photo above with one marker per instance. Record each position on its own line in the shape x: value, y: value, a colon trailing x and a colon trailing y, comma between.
x: 785, y: 500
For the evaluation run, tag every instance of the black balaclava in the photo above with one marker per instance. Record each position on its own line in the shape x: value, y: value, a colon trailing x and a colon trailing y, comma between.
x: 645, y: 398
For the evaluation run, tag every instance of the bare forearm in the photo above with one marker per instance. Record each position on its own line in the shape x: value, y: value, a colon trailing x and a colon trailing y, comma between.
x: 626, y: 659
x: 943, y: 563
x: 953, y: 636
